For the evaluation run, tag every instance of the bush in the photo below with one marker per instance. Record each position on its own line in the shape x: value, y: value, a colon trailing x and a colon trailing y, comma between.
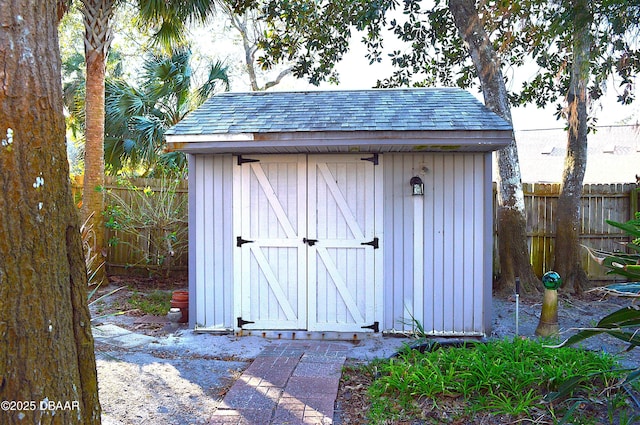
x: 155, y: 219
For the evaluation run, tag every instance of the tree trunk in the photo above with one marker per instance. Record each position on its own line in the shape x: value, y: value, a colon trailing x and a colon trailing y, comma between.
x: 567, y: 248
x: 512, y: 236
x: 97, y: 20
x: 47, y: 358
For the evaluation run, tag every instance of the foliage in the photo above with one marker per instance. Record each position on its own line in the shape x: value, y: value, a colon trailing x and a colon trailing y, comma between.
x: 509, y: 377
x: 154, y: 218
x: 625, y: 322
x: 139, y: 26
x: 250, y: 28
x: 138, y: 116
x: 625, y: 264
x: 156, y: 303
x: 169, y: 20
x: 316, y: 34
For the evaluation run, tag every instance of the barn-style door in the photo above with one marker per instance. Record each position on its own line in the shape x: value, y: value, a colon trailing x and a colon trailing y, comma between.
x: 307, y: 242
x: 341, y: 217
x: 273, y: 222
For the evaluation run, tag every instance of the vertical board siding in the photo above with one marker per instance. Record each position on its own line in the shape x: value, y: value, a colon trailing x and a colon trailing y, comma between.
x: 211, y: 236
x: 455, y: 229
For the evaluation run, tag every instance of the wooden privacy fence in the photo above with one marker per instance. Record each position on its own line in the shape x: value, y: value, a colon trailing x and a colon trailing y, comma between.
x: 131, y: 253
x: 600, y: 202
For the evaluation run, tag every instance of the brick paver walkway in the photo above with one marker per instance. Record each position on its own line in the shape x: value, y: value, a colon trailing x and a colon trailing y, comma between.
x: 289, y: 383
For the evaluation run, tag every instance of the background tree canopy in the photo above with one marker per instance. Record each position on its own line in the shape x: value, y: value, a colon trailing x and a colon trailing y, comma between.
x: 137, y: 115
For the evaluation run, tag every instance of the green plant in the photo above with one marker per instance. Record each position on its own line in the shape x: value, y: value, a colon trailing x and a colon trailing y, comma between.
x: 156, y: 303
x: 508, y: 377
x: 155, y: 219
x: 625, y: 322
x: 621, y: 263
x: 136, y: 116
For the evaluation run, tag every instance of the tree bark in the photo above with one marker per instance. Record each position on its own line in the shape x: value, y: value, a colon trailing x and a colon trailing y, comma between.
x: 513, y: 249
x: 97, y: 20
x: 567, y: 247
x: 47, y: 357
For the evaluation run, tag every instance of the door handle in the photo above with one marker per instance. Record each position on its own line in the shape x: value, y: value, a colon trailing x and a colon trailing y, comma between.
x: 310, y: 242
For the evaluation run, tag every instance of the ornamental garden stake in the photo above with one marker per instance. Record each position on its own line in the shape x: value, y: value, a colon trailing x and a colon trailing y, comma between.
x: 548, y: 324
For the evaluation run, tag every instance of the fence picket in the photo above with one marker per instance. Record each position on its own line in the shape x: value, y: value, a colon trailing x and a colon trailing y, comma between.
x: 600, y: 202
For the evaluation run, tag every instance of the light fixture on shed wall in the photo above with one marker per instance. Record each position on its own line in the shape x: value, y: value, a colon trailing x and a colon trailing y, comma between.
x: 417, y: 187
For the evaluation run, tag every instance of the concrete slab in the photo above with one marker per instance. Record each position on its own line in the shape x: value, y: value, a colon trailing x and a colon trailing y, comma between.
x: 108, y: 331
x: 120, y: 337
x: 130, y: 340
x: 151, y: 319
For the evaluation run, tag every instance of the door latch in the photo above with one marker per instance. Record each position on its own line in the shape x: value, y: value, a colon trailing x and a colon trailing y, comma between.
x: 310, y: 242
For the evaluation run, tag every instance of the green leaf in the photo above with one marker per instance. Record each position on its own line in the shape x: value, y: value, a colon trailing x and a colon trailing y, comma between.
x: 566, y: 388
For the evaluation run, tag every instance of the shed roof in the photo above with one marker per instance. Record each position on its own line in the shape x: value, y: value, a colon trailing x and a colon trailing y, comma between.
x: 381, y: 119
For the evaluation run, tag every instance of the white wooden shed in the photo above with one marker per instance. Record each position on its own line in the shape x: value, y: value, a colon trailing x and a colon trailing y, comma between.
x: 302, y: 221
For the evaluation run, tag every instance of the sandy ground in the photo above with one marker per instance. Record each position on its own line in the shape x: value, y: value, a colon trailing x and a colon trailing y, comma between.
x: 180, y: 377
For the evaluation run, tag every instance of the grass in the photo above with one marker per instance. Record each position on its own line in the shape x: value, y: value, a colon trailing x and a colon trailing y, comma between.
x: 505, y: 377
x: 156, y: 303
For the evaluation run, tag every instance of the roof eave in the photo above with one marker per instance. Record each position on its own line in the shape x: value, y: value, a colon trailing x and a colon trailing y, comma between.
x: 370, y: 141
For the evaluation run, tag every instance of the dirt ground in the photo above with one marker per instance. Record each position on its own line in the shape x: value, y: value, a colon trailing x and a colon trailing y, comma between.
x: 180, y: 377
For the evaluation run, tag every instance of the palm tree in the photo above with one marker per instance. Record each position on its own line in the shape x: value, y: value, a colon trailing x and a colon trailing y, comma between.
x: 137, y: 117
x: 171, y: 18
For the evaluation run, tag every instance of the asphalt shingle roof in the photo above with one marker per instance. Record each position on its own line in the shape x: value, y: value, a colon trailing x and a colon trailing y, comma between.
x: 349, y: 110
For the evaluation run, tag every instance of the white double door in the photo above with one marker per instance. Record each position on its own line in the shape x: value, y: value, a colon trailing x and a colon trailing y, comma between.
x: 307, y: 252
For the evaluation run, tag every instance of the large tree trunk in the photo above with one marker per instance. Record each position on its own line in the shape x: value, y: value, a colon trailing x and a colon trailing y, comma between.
x: 567, y: 248
x: 512, y: 235
x: 97, y: 20
x: 45, y: 330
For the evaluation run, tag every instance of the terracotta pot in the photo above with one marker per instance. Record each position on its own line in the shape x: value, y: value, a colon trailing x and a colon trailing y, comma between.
x: 180, y: 299
x: 180, y: 296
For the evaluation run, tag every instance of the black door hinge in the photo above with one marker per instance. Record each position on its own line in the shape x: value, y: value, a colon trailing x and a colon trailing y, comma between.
x: 240, y: 241
x: 242, y: 160
x: 242, y: 322
x: 374, y: 243
x: 373, y: 159
x: 375, y: 327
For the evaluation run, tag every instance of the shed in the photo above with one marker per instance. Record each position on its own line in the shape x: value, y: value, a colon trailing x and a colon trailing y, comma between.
x: 303, y: 222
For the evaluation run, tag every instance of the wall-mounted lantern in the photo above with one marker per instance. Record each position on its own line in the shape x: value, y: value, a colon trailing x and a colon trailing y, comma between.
x: 417, y: 187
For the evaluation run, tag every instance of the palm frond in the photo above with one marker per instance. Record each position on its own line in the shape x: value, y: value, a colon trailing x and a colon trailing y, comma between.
x: 218, y: 74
